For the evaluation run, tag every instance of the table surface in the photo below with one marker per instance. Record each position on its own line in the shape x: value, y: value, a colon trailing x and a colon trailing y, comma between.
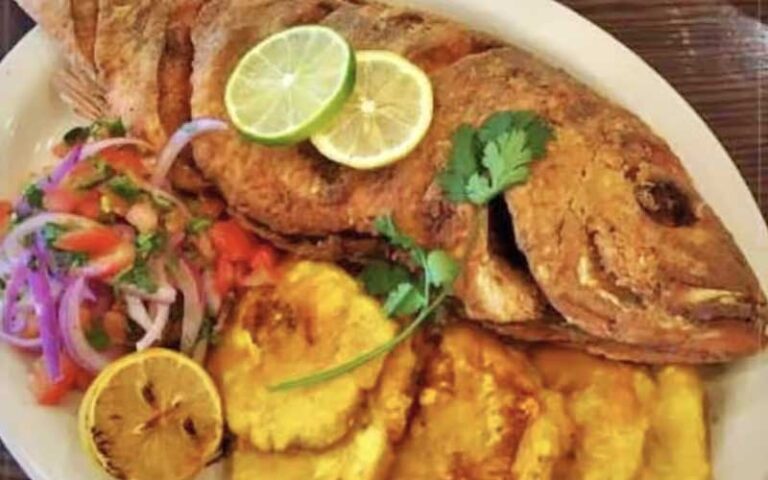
x: 712, y: 51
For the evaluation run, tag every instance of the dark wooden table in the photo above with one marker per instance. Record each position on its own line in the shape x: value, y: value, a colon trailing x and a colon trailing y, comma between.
x: 713, y: 51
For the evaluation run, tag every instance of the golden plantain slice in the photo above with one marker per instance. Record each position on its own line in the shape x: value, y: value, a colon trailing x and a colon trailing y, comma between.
x: 365, y: 454
x: 315, y: 317
x: 482, y: 414
x: 676, y: 445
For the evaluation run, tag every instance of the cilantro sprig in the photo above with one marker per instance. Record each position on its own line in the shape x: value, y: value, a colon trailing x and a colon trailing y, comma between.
x: 405, y: 293
x: 487, y: 161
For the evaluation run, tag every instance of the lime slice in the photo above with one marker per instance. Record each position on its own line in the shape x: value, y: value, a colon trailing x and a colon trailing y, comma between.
x: 387, y: 116
x: 291, y: 84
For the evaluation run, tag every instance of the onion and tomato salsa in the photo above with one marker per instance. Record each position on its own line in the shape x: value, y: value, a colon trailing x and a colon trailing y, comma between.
x: 100, y: 258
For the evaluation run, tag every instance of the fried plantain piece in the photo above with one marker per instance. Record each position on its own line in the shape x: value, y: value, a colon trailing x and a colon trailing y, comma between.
x: 365, y: 454
x: 676, y: 446
x: 315, y: 317
x: 482, y: 414
x: 609, y: 405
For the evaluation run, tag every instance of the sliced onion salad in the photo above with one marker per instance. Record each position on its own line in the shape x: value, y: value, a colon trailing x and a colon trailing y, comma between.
x: 37, y: 290
x: 75, y: 342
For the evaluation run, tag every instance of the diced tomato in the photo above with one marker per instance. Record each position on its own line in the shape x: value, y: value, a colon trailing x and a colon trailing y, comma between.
x: 46, y: 390
x: 224, y: 276
x: 86, y: 318
x: 125, y: 160
x: 61, y: 200
x: 119, y: 260
x: 93, y: 241
x: 232, y: 241
x: 6, y: 209
x: 116, y: 326
x: 263, y: 257
x: 89, y: 204
x: 83, y: 379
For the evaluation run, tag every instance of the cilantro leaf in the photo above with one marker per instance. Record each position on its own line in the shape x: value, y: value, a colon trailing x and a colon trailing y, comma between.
x: 508, y: 142
x: 149, y: 243
x: 386, y: 227
x: 379, y: 277
x: 404, y: 300
x: 98, y: 339
x: 198, y: 224
x: 139, y: 276
x: 462, y: 163
x: 442, y: 269
x: 51, y: 232
x: 77, y: 135
x: 33, y: 195
x: 123, y: 186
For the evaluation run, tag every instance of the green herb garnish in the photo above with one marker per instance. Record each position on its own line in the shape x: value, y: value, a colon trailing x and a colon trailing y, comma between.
x: 198, y: 225
x: 51, y: 232
x: 405, y: 294
x: 487, y: 161
x: 139, y: 276
x: 67, y: 260
x: 102, y: 172
x: 98, y: 338
x: 108, y: 127
x: 123, y: 186
x: 33, y: 195
x: 77, y: 135
x: 149, y: 243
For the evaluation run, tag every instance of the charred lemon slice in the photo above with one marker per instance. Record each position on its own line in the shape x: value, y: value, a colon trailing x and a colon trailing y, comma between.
x: 154, y: 415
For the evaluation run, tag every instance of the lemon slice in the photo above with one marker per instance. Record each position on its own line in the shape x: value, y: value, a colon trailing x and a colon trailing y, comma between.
x: 387, y: 116
x: 154, y: 415
x: 291, y: 84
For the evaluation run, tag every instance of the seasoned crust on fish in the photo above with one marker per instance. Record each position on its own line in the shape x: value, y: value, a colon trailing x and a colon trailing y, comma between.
x: 483, y: 414
x: 69, y: 22
x: 316, y: 317
x: 610, y: 224
x: 299, y: 194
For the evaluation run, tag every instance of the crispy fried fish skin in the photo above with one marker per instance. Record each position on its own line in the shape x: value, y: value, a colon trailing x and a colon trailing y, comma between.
x: 482, y: 414
x: 366, y: 453
x: 611, y: 225
x: 315, y: 317
x: 298, y: 193
x: 130, y: 40
x: 72, y: 23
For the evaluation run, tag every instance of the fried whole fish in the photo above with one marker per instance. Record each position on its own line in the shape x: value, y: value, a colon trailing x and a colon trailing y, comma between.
x: 608, y: 246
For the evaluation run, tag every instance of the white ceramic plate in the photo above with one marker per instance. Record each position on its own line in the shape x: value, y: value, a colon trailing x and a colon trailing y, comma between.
x: 45, y: 441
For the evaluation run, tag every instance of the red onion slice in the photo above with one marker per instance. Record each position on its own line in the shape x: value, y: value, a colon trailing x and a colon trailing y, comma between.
x: 45, y: 307
x: 95, y: 148
x: 194, y: 311
x: 138, y: 312
x: 13, y: 246
x: 158, y: 326
x: 62, y: 169
x: 75, y: 341
x: 179, y: 140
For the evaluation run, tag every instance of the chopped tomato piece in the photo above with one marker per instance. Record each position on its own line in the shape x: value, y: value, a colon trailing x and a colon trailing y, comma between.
x: 89, y: 205
x: 60, y: 200
x: 83, y: 379
x: 224, y: 276
x: 6, y: 209
x: 232, y: 241
x: 46, y: 390
x: 118, y: 261
x: 116, y: 326
x: 93, y: 241
x: 125, y: 160
x: 263, y: 257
